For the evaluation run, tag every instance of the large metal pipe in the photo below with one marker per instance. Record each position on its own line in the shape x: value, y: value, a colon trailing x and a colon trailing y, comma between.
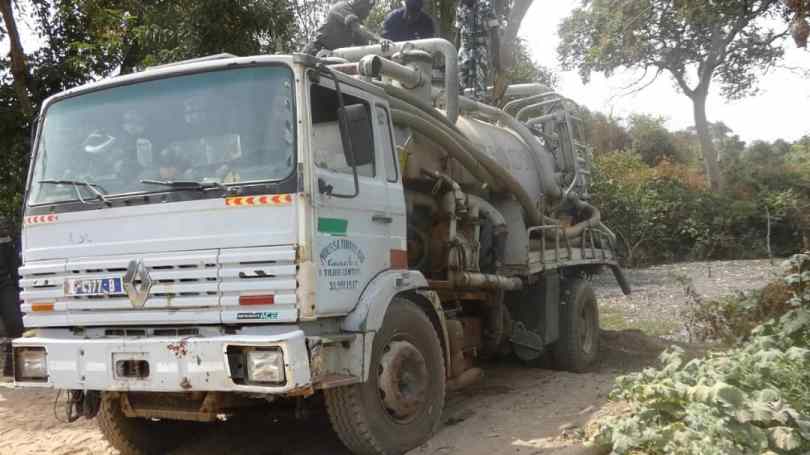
x: 519, y: 90
x: 485, y: 281
x: 594, y: 218
x: 521, y: 113
x: 515, y: 104
x: 447, y: 49
x: 376, y: 66
x: 530, y: 89
x: 544, y: 162
x: 500, y: 228
x: 451, y: 202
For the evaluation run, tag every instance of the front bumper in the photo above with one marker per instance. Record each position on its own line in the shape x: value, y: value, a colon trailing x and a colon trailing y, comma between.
x: 176, y: 364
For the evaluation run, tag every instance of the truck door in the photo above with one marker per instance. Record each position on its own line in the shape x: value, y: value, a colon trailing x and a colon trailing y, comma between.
x: 351, y: 235
x: 383, y: 131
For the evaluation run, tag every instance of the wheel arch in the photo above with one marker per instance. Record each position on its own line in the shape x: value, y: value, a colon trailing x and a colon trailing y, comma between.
x: 430, y: 303
x: 367, y: 317
x: 368, y: 314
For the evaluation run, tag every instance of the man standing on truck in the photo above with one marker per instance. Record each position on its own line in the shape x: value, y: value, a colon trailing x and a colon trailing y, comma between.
x: 408, y: 23
x: 10, y: 315
x: 343, y: 27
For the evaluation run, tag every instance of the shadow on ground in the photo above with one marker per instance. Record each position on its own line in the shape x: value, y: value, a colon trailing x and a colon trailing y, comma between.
x: 514, y: 409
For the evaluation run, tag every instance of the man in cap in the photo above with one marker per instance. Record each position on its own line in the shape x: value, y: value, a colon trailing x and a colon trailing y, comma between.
x: 343, y: 27
x: 10, y: 315
x: 408, y: 23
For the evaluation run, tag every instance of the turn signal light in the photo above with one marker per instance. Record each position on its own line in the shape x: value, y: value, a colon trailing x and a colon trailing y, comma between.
x: 41, y: 307
x: 257, y: 299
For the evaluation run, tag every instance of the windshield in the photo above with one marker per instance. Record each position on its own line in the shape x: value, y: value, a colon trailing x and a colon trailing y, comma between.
x: 215, y: 128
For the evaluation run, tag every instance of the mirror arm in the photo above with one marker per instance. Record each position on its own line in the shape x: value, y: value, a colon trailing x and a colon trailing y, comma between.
x: 350, y: 150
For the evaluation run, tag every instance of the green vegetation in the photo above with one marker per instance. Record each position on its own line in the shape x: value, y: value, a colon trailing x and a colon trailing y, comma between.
x: 614, y: 319
x: 650, y: 185
x: 752, y: 399
x: 731, y: 320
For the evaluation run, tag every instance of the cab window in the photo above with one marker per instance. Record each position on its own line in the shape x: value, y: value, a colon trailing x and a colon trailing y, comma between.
x: 327, y: 146
x: 389, y: 151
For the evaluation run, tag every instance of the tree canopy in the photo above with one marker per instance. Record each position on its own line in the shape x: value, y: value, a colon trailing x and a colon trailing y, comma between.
x: 693, y: 41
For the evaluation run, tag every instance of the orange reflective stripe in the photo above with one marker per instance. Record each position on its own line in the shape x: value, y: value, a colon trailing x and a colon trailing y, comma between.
x: 253, y: 201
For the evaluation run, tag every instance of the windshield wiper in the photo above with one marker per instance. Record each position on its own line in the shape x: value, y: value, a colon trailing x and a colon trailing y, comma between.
x: 187, y: 184
x: 97, y: 189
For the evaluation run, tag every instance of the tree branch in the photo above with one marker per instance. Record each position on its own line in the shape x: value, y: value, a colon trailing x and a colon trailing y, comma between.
x: 19, y: 68
x: 638, y: 88
x: 506, y: 51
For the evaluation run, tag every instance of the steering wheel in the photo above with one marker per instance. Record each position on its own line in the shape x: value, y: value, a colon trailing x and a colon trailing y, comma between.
x: 98, y: 141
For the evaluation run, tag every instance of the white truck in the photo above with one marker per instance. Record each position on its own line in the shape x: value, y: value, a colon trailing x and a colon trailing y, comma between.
x: 232, y: 233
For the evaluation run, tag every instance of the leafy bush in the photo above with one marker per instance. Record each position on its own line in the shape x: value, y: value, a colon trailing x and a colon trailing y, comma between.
x: 753, y: 399
x: 664, y: 213
x: 732, y: 319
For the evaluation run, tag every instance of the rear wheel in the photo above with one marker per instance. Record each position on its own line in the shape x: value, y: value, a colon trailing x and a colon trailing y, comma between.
x: 578, y: 345
x: 400, y: 405
x: 137, y: 436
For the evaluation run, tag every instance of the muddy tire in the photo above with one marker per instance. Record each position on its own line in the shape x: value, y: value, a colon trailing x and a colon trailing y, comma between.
x: 400, y: 406
x: 136, y: 436
x: 578, y: 345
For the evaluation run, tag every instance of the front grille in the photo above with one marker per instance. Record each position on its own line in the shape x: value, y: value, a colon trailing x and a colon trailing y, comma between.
x: 191, y: 281
x: 155, y: 332
x: 258, y: 271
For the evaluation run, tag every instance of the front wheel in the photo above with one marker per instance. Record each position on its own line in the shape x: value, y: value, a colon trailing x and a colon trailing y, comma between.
x: 400, y: 405
x: 578, y: 345
x: 137, y: 436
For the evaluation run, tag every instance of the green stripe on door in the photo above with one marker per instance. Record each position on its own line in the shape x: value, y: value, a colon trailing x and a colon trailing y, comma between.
x: 334, y: 226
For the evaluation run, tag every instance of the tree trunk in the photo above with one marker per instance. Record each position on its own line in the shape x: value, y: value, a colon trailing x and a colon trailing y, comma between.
x: 706, y: 144
x: 506, y: 53
x: 444, y: 12
x: 19, y: 69
x: 132, y: 46
x: 768, y: 234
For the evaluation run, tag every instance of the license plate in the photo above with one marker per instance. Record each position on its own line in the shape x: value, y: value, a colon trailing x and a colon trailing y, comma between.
x: 94, y: 287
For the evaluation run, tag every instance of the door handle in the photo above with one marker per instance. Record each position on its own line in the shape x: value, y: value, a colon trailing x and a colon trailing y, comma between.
x: 385, y: 219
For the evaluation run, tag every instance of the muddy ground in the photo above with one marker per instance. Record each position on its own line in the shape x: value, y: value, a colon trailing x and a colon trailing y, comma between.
x: 513, y: 410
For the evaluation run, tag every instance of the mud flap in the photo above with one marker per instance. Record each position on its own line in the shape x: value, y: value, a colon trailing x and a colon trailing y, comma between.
x: 536, y: 312
x: 618, y: 273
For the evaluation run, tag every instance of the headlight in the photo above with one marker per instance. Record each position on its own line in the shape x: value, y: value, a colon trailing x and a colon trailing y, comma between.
x: 30, y: 364
x: 265, y: 366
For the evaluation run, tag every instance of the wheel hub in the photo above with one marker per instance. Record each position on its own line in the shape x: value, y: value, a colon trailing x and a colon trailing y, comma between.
x: 403, y: 380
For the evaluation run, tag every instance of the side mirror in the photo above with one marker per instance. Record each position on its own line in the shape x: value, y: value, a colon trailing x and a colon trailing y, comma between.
x: 355, y: 132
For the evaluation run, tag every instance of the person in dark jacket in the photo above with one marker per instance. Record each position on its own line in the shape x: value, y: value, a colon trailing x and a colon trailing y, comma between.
x: 10, y: 315
x: 408, y: 23
x: 343, y: 27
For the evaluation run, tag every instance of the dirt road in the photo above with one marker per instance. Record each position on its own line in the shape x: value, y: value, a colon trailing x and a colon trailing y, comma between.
x: 514, y: 410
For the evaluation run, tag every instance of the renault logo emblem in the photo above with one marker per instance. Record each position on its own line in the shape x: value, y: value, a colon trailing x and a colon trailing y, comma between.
x: 137, y: 283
